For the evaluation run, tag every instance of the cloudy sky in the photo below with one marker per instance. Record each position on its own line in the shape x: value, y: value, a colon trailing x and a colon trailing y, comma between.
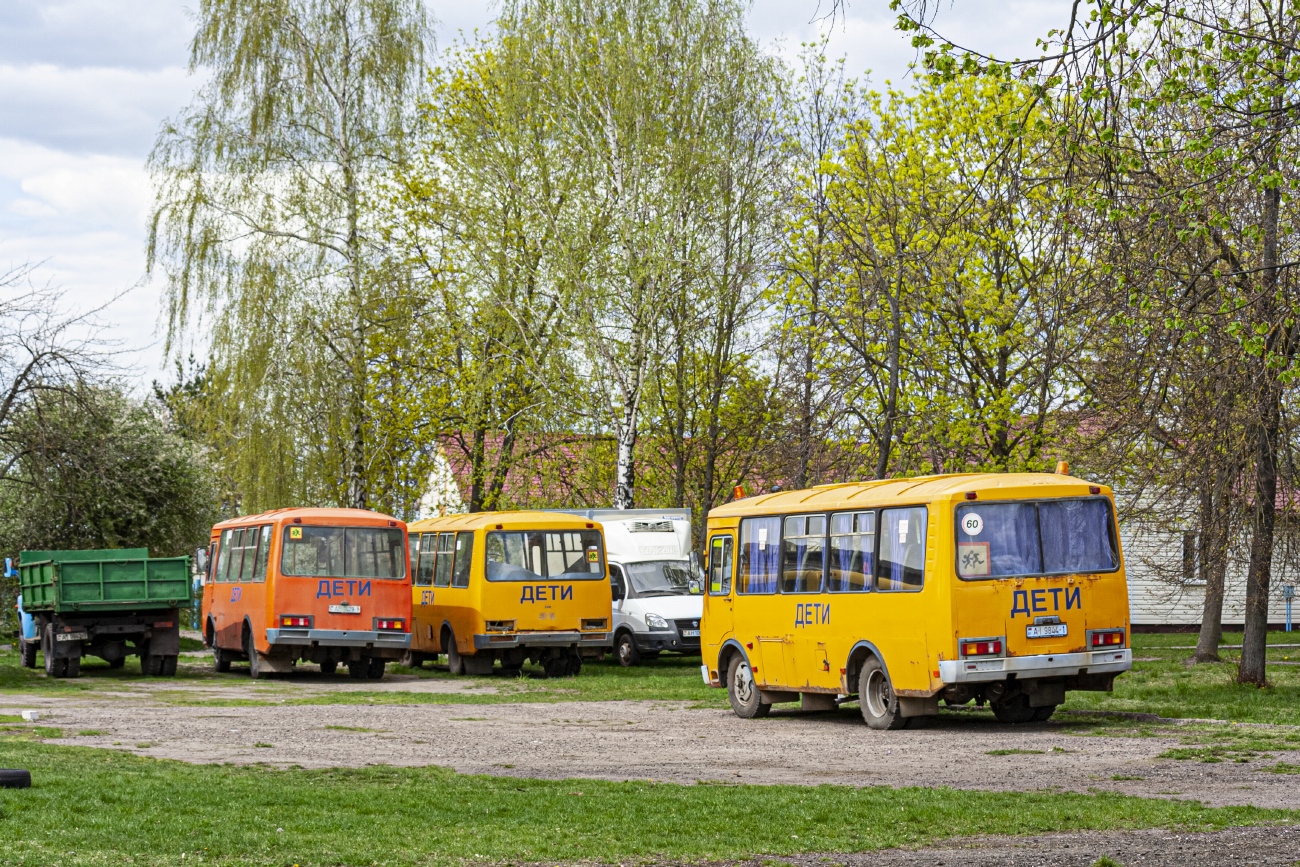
x: 85, y: 84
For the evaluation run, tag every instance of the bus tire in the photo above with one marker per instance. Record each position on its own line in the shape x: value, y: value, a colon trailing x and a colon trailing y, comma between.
x: 375, y: 668
x: 1013, y: 709
x: 411, y: 659
x: 1043, y: 714
x: 625, y: 650
x: 876, y: 697
x: 455, y: 662
x: 220, y: 659
x: 117, y: 663
x: 358, y: 668
x: 329, y: 666
x: 28, y: 653
x: 746, y: 700
x: 256, y: 668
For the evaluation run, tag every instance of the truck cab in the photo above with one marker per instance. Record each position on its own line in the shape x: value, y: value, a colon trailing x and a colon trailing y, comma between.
x: 656, y: 581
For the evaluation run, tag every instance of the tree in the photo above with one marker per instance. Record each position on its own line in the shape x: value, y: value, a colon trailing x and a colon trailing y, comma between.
x: 263, y: 220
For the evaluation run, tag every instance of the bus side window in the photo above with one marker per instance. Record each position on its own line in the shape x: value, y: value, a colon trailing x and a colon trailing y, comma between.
x: 250, y: 554
x: 442, y: 573
x: 222, y: 563
x: 263, y: 551
x: 428, y: 550
x: 234, y: 553
x: 901, y: 565
x: 760, y: 555
x: 413, y: 551
x: 464, y: 559
x: 852, y: 552
x: 720, y: 566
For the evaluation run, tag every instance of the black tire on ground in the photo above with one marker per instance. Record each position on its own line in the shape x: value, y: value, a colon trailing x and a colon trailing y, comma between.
x: 329, y: 666
x: 455, y: 662
x: 358, y: 668
x: 1013, y: 709
x: 256, y: 667
x: 59, y: 667
x: 47, y: 649
x: 15, y: 778
x: 117, y: 663
x: 151, y: 664
x: 880, y: 708
x: 411, y: 659
x: 574, y: 667
x: 28, y: 653
x: 1043, y: 714
x: 375, y: 670
x: 169, y: 666
x: 511, y: 671
x: 625, y: 650
x: 72, y: 668
x: 220, y: 659
x: 480, y: 664
x: 555, y: 666
x: 746, y: 701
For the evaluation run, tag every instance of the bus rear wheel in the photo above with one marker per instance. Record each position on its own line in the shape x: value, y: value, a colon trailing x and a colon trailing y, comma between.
x: 329, y: 666
x: 746, y: 700
x: 220, y: 659
x: 375, y: 668
x: 880, y: 708
x: 455, y: 662
x: 1014, y: 709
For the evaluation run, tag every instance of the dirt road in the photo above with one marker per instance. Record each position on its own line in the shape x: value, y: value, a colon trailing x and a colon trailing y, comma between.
x: 658, y: 740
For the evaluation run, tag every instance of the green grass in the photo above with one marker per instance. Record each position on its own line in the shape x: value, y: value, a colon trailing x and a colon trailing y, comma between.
x: 1014, y: 753
x: 99, y: 807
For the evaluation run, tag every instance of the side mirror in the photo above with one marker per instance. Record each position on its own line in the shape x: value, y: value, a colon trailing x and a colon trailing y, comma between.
x: 201, y: 559
x: 616, y: 591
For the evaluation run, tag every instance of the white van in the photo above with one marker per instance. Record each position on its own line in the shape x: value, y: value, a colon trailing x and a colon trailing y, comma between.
x: 656, y: 580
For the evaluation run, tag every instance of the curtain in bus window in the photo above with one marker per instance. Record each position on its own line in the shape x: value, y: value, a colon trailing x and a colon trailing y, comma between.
x: 428, y: 551
x: 803, y: 547
x: 852, y: 552
x: 902, y: 549
x: 464, y: 559
x: 997, y: 540
x: 263, y: 552
x: 760, y: 555
x: 510, y: 557
x: 442, y: 573
x: 1077, y: 536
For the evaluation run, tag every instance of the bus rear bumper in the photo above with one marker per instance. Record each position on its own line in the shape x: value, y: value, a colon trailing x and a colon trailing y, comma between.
x: 340, y: 638
x: 1030, y: 667
x: 500, y: 640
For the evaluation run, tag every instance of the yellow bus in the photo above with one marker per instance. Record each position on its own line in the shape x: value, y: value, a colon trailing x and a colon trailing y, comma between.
x: 1005, y: 589
x: 510, y: 587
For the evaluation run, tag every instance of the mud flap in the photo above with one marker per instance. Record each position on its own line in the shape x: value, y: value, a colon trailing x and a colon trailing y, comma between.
x: 767, y: 696
x: 817, y: 701
x: 909, y: 706
x: 1045, y: 693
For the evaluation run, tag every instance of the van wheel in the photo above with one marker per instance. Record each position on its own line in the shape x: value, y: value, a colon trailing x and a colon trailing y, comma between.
x: 625, y: 650
x: 1014, y: 709
x: 876, y: 696
x: 746, y: 701
x: 455, y: 662
x: 329, y: 666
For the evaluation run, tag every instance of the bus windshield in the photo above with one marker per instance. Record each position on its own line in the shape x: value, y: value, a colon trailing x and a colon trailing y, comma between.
x: 1048, y: 537
x: 534, y: 555
x: 343, y: 552
x: 659, y: 577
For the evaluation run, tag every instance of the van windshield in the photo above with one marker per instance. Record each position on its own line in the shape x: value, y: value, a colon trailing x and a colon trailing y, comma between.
x: 659, y: 578
x: 343, y: 552
x: 1048, y: 537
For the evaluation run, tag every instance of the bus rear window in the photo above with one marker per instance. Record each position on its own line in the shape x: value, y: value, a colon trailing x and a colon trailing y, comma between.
x: 535, y: 555
x: 343, y: 552
x: 1051, y: 537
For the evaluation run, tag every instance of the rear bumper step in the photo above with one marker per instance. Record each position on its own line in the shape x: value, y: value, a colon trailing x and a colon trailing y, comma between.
x: 1040, y: 665
x: 340, y: 638
x: 496, y: 640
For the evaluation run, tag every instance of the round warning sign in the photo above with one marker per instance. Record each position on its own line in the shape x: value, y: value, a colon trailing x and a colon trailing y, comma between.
x: 972, y: 524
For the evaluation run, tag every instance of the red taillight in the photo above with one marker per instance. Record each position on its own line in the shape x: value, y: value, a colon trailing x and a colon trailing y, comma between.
x: 981, y: 648
x: 293, y: 620
x: 1108, y: 639
x: 390, y: 623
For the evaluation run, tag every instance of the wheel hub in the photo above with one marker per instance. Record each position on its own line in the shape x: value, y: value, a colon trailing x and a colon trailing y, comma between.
x: 744, y: 683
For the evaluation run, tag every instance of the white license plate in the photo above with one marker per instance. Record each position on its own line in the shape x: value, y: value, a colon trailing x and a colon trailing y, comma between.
x: 690, y: 633
x: 345, y: 609
x: 72, y: 636
x: 1054, y: 630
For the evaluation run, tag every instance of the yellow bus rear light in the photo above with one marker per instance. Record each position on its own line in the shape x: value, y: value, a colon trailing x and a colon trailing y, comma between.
x: 981, y: 648
x: 599, y: 624
x: 1108, y: 639
x: 500, y: 626
x: 295, y: 621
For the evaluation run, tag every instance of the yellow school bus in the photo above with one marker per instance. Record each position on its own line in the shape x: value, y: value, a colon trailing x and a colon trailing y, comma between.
x: 1005, y: 589
x: 508, y: 586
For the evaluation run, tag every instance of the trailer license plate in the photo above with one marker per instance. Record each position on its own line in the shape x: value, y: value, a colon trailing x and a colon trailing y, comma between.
x: 690, y: 633
x: 72, y: 636
x: 1054, y: 630
x: 345, y: 609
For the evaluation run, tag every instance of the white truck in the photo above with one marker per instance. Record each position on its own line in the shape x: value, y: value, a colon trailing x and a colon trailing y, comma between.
x: 656, y: 581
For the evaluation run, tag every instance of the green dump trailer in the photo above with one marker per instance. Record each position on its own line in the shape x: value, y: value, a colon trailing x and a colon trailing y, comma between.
x: 109, y: 604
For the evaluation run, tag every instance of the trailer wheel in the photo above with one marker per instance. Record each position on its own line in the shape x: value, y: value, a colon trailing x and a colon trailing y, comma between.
x: 28, y: 653
x: 15, y: 778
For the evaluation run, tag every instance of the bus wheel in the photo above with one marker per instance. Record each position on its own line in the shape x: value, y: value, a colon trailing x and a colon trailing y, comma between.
x: 626, y: 650
x: 1043, y: 714
x: 329, y: 666
x: 1014, y: 709
x: 220, y: 659
x: 455, y: 662
x: 876, y: 696
x: 573, y: 664
x: 410, y: 660
x: 375, y: 668
x: 746, y: 701
x: 358, y: 668
x: 256, y: 669
x: 117, y: 663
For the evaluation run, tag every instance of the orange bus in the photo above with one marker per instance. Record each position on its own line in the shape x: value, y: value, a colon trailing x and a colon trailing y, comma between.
x: 320, y: 585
